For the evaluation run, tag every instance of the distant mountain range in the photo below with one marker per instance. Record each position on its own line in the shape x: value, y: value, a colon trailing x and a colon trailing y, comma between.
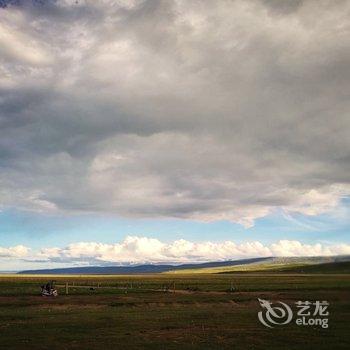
x: 208, y: 266
x: 136, y: 269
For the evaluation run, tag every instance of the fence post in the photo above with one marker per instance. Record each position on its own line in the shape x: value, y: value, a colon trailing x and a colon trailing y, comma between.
x: 66, y: 287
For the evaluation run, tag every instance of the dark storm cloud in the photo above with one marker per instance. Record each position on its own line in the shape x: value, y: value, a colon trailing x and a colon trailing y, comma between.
x: 205, y: 110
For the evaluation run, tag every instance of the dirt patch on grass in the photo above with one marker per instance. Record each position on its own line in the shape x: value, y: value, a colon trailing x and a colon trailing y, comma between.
x: 69, y: 306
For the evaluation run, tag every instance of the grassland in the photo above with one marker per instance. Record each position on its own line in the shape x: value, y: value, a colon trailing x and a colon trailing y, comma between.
x: 133, y: 312
x: 342, y: 267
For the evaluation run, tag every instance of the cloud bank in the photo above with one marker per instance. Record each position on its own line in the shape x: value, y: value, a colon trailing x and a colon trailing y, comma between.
x: 189, y: 109
x: 139, y: 250
x: 18, y: 251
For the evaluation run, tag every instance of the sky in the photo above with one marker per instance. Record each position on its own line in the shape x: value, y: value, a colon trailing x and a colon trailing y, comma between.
x: 145, y: 131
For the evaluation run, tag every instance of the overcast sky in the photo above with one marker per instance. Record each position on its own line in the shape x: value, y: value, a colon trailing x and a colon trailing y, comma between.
x: 174, y: 111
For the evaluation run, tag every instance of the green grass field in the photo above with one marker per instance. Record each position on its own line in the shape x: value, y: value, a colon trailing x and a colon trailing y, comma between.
x: 342, y: 267
x: 133, y: 312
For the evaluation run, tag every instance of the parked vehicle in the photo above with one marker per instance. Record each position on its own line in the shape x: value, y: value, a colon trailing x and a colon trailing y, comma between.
x: 49, y: 290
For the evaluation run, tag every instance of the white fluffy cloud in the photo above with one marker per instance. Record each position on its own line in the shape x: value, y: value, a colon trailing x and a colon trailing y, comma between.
x: 18, y: 251
x: 138, y: 250
x: 202, y: 110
